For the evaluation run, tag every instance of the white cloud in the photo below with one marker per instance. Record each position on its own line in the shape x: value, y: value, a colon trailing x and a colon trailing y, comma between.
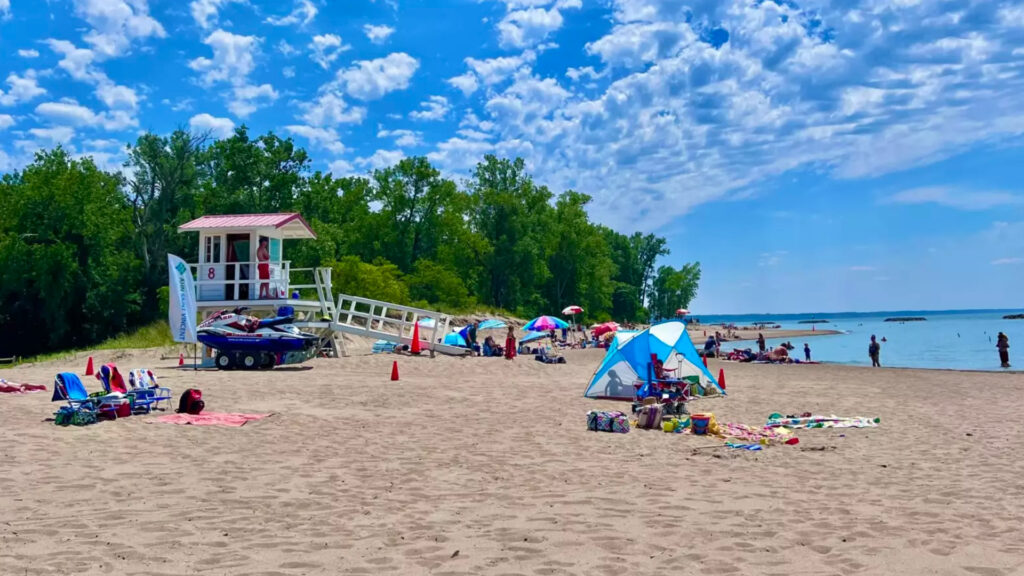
x: 287, y: 49
x: 70, y: 114
x: 288, y: 71
x: 206, y: 12
x: 5, y: 9
x: 52, y: 136
x: 117, y: 97
x: 184, y: 104
x: 21, y: 88
x: 435, y: 108
x: 953, y: 198
x: 326, y: 138
x: 403, y: 138
x: 28, y: 53
x: 381, y: 159
x: 80, y: 64
x: 771, y: 258
x: 465, y: 82
x: 1007, y: 261
x: 340, y: 168
x: 103, y: 143
x: 495, y: 70
x: 249, y: 98
x: 525, y: 28
x: 6, y: 121
x: 234, y: 57
x: 303, y: 13
x: 217, y: 127
x: 330, y: 110
x: 378, y: 34
x: 372, y: 79
x: 116, y: 23
x: 326, y: 48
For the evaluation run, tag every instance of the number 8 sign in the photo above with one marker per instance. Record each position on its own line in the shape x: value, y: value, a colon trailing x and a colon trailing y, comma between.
x: 211, y: 274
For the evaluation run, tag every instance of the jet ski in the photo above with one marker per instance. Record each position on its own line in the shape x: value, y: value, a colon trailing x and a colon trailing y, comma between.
x: 251, y: 343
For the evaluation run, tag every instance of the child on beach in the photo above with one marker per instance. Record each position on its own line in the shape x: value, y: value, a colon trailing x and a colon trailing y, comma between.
x: 510, y: 344
x: 807, y: 352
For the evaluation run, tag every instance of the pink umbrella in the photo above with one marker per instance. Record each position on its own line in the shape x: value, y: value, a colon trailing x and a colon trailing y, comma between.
x: 572, y: 311
x: 604, y: 328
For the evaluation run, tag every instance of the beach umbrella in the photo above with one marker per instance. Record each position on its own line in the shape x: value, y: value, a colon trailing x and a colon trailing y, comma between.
x: 682, y: 312
x: 491, y: 324
x: 545, y: 323
x: 427, y: 322
x: 532, y: 337
x: 605, y: 328
x: 572, y: 311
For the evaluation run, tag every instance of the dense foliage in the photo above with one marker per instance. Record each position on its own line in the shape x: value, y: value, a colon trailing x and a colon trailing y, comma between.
x: 83, y: 251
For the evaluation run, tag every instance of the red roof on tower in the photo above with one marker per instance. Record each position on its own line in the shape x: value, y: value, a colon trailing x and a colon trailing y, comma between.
x: 292, y: 222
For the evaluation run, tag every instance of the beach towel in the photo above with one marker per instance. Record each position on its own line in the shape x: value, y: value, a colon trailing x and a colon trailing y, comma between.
x: 12, y: 388
x: 210, y: 419
x: 832, y: 421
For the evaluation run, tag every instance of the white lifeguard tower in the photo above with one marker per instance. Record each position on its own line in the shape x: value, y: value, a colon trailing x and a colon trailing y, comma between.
x: 230, y: 273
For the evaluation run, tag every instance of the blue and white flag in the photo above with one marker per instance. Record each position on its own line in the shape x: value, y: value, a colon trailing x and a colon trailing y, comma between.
x: 182, y: 306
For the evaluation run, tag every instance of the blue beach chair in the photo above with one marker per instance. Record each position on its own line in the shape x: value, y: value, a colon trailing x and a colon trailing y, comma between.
x: 68, y: 387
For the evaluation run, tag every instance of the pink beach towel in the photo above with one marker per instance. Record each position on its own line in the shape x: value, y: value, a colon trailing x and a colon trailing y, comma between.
x: 210, y: 419
x: 11, y: 388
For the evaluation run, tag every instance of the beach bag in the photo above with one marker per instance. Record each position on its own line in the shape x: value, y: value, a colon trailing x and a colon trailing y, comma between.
x: 191, y: 401
x: 649, y: 417
x: 599, y: 421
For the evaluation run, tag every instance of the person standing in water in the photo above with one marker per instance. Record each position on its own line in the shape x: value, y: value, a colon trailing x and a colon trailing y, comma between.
x: 760, y: 341
x: 874, y: 350
x: 1003, y: 344
x: 807, y: 352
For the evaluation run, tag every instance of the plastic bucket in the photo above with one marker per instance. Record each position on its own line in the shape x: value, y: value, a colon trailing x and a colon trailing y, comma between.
x: 669, y: 425
x: 699, y: 423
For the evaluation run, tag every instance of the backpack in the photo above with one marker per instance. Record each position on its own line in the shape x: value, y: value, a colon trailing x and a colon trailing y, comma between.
x: 191, y: 401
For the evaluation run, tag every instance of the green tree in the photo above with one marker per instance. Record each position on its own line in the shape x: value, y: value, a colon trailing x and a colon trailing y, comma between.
x: 513, y: 216
x: 579, y: 263
x: 381, y: 280
x: 161, y: 190
x: 673, y: 289
x: 646, y: 249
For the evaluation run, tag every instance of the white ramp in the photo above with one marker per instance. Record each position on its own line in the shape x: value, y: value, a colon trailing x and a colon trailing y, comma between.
x: 392, y: 322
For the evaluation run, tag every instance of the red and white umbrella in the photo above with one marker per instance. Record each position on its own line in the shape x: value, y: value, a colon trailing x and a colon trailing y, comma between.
x: 604, y: 328
x: 572, y: 311
x: 682, y: 312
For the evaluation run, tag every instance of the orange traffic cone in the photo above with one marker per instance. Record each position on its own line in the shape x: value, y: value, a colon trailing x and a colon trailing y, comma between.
x: 721, y: 378
x: 394, y: 371
x: 88, y: 367
x: 181, y: 359
x: 415, y: 348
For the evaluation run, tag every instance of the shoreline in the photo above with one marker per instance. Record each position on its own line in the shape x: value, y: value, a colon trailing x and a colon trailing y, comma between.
x: 749, y: 334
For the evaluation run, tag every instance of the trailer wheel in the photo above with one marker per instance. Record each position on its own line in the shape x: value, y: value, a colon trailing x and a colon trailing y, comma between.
x: 267, y: 361
x: 225, y: 361
x: 250, y: 361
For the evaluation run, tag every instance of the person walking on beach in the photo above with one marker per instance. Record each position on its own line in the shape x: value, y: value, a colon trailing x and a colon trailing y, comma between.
x: 510, y: 344
x: 807, y: 352
x: 1003, y: 344
x: 760, y: 341
x: 874, y: 349
x: 471, y: 340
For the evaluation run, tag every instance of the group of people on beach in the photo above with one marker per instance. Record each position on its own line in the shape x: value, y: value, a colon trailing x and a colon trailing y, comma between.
x: 490, y: 347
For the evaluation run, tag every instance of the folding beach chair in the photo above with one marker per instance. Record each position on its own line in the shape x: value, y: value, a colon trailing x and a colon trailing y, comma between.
x: 68, y: 387
x: 142, y: 382
x: 113, y: 384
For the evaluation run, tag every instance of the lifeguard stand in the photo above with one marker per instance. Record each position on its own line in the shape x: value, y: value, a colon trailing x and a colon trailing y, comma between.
x: 229, y: 273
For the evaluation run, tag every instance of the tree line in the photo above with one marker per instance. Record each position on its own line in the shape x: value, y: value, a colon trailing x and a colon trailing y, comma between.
x: 83, y: 250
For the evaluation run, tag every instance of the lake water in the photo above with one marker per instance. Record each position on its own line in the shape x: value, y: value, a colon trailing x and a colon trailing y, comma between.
x: 955, y: 339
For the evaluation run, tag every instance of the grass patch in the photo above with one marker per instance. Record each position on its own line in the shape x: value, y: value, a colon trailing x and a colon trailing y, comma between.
x: 155, y: 335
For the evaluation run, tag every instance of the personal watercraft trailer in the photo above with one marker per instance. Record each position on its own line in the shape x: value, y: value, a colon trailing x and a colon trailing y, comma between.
x: 241, y: 264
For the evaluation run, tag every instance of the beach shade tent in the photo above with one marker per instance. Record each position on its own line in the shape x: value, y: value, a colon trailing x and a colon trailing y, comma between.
x: 531, y: 337
x: 455, y: 339
x: 627, y: 359
x: 545, y: 323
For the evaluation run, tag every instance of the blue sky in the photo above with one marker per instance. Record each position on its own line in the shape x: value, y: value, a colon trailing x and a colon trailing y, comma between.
x: 813, y: 155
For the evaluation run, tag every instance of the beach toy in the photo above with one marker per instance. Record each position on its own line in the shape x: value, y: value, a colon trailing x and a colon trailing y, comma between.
x: 699, y: 423
x: 669, y: 425
x: 682, y: 425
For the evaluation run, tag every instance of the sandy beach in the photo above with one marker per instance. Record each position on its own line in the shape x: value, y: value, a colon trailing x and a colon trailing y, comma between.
x: 482, y: 466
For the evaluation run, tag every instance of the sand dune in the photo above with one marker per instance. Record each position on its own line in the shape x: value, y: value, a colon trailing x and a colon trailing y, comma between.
x: 481, y: 466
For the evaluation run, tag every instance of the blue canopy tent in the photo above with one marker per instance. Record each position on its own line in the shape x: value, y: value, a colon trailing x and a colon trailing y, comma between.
x: 629, y: 355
